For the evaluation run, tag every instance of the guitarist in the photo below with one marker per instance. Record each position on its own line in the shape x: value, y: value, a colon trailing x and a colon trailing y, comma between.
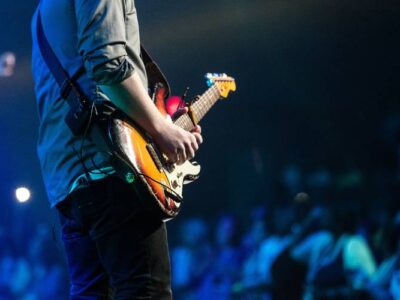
x: 110, y: 243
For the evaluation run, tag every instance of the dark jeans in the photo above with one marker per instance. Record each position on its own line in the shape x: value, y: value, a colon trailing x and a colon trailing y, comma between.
x: 112, y: 243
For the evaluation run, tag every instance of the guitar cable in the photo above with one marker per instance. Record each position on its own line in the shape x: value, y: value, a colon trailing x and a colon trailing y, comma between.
x: 98, y: 170
x: 80, y: 153
x: 177, y: 198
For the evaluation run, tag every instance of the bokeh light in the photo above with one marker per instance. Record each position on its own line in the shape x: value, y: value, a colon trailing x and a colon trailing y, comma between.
x: 22, y: 194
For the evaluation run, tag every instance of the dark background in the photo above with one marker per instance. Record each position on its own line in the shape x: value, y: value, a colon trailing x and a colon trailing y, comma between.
x: 318, y: 87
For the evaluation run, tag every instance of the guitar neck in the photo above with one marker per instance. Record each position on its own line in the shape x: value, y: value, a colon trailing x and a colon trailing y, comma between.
x: 199, y: 108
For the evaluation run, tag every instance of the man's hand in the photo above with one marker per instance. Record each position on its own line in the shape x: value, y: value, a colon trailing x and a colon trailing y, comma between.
x: 131, y: 97
x: 176, y: 143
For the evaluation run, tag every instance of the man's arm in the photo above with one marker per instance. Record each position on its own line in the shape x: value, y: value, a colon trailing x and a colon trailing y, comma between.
x: 132, y: 98
x: 101, y: 42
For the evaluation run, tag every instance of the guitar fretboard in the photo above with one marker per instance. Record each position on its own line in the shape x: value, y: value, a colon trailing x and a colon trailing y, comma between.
x: 199, y: 108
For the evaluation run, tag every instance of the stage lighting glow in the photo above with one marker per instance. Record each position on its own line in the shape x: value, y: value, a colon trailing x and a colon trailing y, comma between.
x: 22, y: 194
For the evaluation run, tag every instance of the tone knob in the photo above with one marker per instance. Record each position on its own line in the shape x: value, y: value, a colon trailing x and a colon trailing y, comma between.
x: 174, y: 184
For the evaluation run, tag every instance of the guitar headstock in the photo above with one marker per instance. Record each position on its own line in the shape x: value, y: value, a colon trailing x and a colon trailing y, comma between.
x: 224, y: 83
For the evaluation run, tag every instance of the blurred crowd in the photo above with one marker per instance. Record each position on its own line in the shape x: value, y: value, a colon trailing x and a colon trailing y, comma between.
x: 31, y: 266
x: 295, y: 250
x: 340, y: 240
x: 298, y: 251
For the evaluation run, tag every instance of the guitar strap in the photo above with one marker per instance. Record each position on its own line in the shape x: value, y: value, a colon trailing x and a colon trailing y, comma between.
x: 79, y: 114
x: 154, y: 73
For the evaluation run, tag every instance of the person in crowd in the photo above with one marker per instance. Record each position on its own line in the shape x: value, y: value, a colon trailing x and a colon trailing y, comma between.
x: 251, y: 279
x: 226, y: 260
x: 394, y: 287
x: 305, y: 239
x: 15, y: 271
x: 48, y: 281
x: 382, y: 285
x: 277, y: 240
x: 190, y: 259
x: 345, y: 268
x: 291, y: 180
x: 7, y: 263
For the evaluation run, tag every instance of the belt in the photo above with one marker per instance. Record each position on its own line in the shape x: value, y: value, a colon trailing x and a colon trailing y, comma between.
x: 94, y: 175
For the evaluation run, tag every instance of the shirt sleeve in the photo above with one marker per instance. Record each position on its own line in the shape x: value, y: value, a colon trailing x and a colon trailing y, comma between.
x: 102, y: 40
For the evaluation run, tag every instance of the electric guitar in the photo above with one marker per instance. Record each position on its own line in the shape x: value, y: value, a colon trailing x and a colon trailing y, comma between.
x: 138, y: 158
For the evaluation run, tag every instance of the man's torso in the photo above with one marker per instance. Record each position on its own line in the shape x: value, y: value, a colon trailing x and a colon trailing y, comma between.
x: 57, y: 147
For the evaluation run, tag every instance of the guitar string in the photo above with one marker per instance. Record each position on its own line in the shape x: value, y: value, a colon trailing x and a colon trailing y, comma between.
x: 208, y: 101
x: 204, y: 106
x: 199, y: 108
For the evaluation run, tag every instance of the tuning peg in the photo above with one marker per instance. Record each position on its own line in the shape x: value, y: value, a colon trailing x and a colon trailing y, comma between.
x: 209, y: 79
x: 184, y: 95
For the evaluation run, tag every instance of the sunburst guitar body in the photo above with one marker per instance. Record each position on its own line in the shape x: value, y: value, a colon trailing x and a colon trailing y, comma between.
x: 139, y: 159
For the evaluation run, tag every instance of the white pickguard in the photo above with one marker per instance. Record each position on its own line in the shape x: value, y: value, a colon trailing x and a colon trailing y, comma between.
x: 181, y: 175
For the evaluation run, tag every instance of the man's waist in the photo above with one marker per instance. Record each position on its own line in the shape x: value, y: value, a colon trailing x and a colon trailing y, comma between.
x: 94, y: 175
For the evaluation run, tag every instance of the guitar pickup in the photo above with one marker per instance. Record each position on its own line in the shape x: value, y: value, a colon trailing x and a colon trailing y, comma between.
x: 154, y: 156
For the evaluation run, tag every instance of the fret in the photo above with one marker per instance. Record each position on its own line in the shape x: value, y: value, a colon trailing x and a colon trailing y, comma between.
x: 199, y: 108
x: 184, y: 122
x: 206, y: 101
